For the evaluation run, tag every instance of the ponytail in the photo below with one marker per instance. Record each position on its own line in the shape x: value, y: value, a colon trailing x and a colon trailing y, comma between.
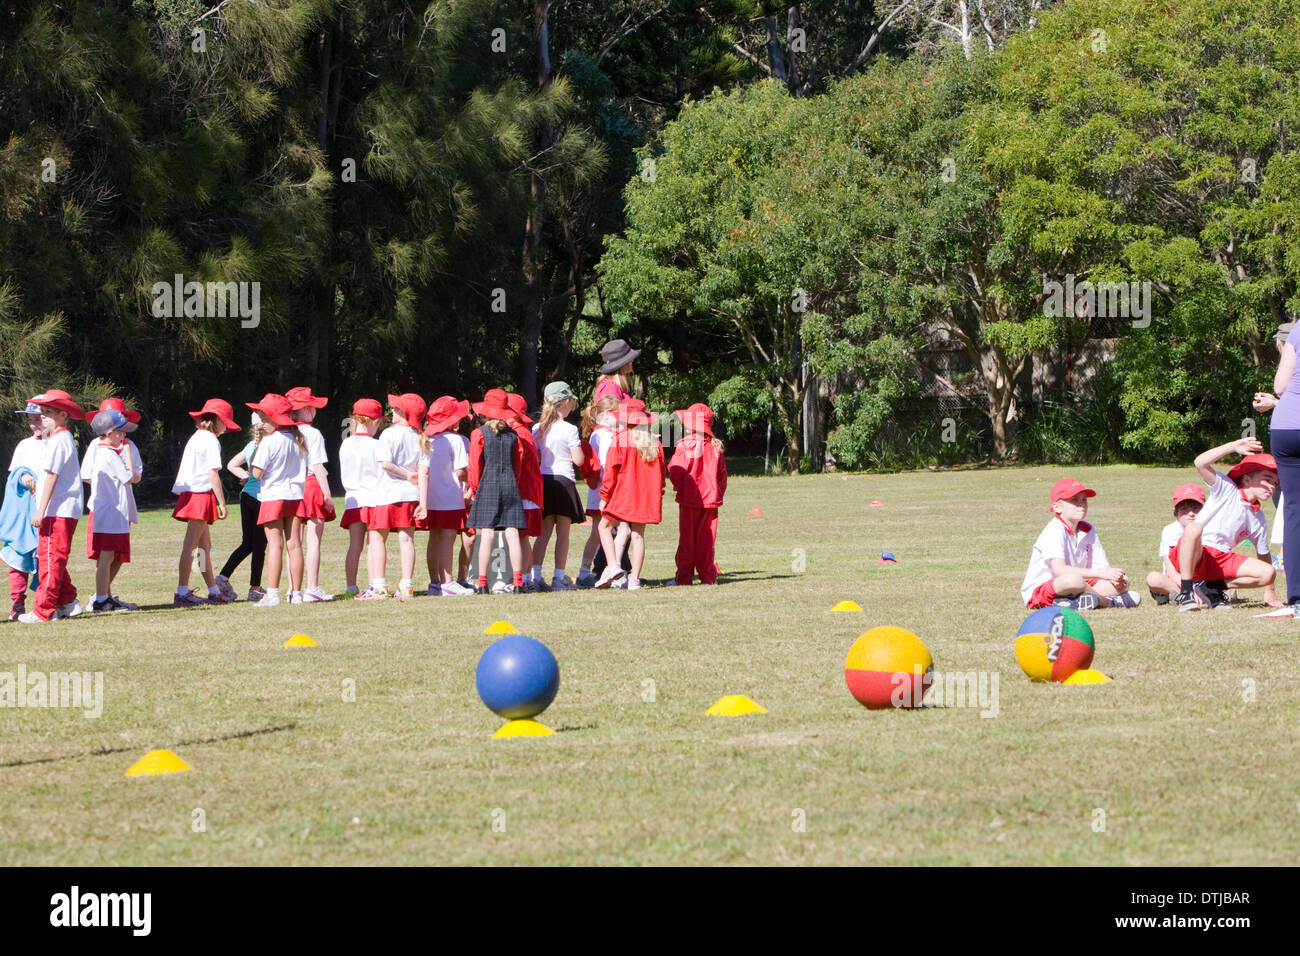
x: 550, y: 415
x: 591, y: 414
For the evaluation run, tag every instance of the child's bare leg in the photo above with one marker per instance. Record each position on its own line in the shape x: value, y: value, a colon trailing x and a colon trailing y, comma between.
x: 593, y: 543
x: 1161, y: 583
x: 431, y: 556
x: 462, y: 563
x: 515, y: 544
x: 638, y: 549
x: 274, y: 552
x: 1070, y: 584
x: 314, y: 528
x: 1189, y: 552
x: 1257, y: 573
x: 356, y: 539
x: 446, y: 548
x: 562, y: 542
x: 378, y: 556
x: 112, y: 571
x: 539, y: 547
x: 607, y: 541
x: 104, y: 572
x: 485, y: 536
x: 624, y: 532
x: 187, y: 551
x: 406, y: 545
x: 293, y: 544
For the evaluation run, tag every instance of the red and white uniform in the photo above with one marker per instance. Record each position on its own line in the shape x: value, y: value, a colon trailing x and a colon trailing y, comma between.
x: 59, y: 523
x: 530, y: 478
x: 1227, y: 519
x: 1170, y: 535
x: 699, y: 473
x: 109, y: 527
x: 359, y: 473
x: 395, y: 499
x: 283, y: 466
x: 1080, y: 549
x: 313, y: 495
x: 448, y: 453
x: 193, y: 479
x: 632, y: 488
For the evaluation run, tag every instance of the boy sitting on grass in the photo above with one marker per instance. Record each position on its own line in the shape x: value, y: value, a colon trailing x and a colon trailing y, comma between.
x: 1068, y: 566
x: 1188, y: 501
x: 1231, y: 514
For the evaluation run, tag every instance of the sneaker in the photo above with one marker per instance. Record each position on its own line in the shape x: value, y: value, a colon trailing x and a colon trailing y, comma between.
x: 29, y: 617
x: 634, y: 584
x: 670, y: 583
x: 295, y: 597
x: 542, y: 586
x: 1161, y: 599
x: 405, y: 593
x: 100, y: 607
x: 316, y: 594
x: 1127, y: 599
x: 1230, y: 595
x: 1185, y: 601
x: 124, y: 605
x: 1214, y: 599
x: 502, y: 587
x: 609, y: 577
x: 71, y: 609
x: 226, y: 588
x: 256, y: 594
x: 373, y: 594
x: 219, y: 598
x: 563, y: 584
x: 481, y: 589
x: 268, y: 600
x: 621, y: 583
x: 435, y: 590
x: 13, y: 615
x: 188, y: 599
x: 586, y: 580
x: 453, y: 589
x: 464, y: 582
x: 530, y: 587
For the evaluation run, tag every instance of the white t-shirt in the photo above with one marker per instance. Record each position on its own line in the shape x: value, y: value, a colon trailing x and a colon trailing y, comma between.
x: 1228, y: 520
x: 135, y: 463
x: 202, y: 455
x: 1079, y: 550
x: 110, y: 488
x: 555, y: 451
x: 30, y: 452
x: 599, y: 442
x: 61, y: 458
x: 1170, y: 535
x: 399, y: 444
x: 316, y: 454
x: 448, y: 453
x: 359, y: 470
x: 283, y: 466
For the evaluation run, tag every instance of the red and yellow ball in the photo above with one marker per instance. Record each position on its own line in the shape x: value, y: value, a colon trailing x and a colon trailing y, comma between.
x: 1053, y: 643
x: 888, y: 667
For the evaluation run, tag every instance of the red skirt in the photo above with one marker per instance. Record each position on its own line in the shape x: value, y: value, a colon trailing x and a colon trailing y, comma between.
x: 313, y: 501
x: 119, y: 544
x: 192, y: 505
x: 355, y: 516
x: 392, y: 517
x: 534, y: 518
x: 446, y: 520
x: 275, y: 510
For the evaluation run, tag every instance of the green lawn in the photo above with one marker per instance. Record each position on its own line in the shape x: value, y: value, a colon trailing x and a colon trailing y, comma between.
x: 1184, y: 768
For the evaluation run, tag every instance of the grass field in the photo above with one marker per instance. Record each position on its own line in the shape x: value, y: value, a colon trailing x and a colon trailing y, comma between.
x: 1189, y: 757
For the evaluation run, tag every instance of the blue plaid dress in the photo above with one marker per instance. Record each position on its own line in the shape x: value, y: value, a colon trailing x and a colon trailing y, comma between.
x: 497, y: 503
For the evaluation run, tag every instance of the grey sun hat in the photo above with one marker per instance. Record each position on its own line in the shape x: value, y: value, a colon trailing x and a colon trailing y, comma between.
x: 557, y: 392
x: 31, y: 409
x: 110, y: 418
x: 615, y: 355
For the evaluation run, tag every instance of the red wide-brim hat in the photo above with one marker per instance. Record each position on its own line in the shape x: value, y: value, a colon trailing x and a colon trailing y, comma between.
x: 58, y: 398
x: 411, y: 406
x: 275, y: 409
x: 301, y: 397
x: 697, y: 418
x: 519, y: 406
x: 220, y: 408
x: 494, y: 405
x: 445, y: 413
x: 117, y: 405
x: 369, y: 407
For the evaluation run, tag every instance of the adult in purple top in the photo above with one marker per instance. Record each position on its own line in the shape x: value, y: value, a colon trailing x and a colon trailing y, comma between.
x: 1284, y: 443
x: 616, y: 365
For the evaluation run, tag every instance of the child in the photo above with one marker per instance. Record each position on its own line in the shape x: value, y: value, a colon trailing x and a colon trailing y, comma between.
x: 1188, y: 501
x: 530, y: 488
x: 397, y: 494
x: 598, y: 422
x: 20, y: 538
x: 699, y: 474
x: 317, y: 506
x: 1231, y: 514
x: 496, y: 468
x: 253, y: 544
x: 131, y: 455
x: 559, y: 450
x: 359, y: 472
x: 632, y: 491
x: 443, y: 476
x: 58, y: 508
x: 1068, y: 566
x: 202, y: 500
x: 108, y: 535
x: 279, y: 465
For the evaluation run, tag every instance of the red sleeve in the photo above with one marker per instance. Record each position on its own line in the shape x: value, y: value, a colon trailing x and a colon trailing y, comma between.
x: 663, y: 471
x: 613, y: 463
x: 676, y: 470
x: 590, y: 465
x: 475, y: 460
x: 517, y: 464
x: 722, y: 477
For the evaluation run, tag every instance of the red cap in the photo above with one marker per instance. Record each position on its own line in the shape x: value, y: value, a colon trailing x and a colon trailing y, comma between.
x: 1189, y: 492
x: 368, y: 407
x: 275, y: 409
x: 1068, y: 488
x: 117, y: 405
x: 444, y: 413
x: 1257, y: 462
x: 300, y: 396
x: 58, y: 398
x: 221, y: 408
x: 411, y: 406
x: 519, y: 405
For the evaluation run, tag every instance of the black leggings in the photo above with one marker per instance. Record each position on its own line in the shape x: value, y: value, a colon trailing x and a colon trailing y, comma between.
x: 254, y: 542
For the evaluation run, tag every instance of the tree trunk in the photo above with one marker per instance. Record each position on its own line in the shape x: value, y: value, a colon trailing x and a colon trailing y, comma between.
x: 532, y: 262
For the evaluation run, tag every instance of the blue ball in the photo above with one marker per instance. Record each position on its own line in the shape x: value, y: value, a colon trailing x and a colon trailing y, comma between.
x: 517, y: 677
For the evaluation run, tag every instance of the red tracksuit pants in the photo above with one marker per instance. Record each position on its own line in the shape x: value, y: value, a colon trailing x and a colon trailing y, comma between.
x: 697, y: 532
x: 17, y: 591
x: 52, y: 552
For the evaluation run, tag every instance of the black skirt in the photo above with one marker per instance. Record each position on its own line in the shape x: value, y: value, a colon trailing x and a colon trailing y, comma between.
x: 560, y: 499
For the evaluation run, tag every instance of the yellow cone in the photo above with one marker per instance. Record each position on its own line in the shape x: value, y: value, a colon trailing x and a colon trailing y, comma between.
x: 1087, y: 677
x: 501, y: 627
x: 733, y: 705
x: 522, y: 728
x: 300, y: 640
x: 157, y: 761
x: 846, y: 606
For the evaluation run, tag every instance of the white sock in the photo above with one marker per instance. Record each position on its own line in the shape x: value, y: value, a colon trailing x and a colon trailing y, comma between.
x: 379, y: 583
x: 272, y: 592
x: 404, y: 583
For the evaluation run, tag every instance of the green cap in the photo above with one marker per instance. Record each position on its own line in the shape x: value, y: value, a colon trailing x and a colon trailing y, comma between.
x: 557, y: 392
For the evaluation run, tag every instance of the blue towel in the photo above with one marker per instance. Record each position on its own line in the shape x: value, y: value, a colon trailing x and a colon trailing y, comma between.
x: 16, y: 531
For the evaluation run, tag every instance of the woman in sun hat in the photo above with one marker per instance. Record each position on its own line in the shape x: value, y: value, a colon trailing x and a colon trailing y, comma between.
x: 317, y: 506
x: 496, y: 469
x: 443, y: 489
x: 201, y: 500
x: 632, y: 490
x: 279, y: 465
x: 616, y: 358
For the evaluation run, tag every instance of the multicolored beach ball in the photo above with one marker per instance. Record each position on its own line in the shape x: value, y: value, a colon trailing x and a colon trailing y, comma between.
x: 1053, y: 643
x: 888, y: 667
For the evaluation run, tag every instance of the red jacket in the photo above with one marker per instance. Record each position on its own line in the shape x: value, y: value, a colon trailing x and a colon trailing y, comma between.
x: 476, y: 460
x: 633, y: 488
x: 590, y: 465
x: 698, y: 472
x: 530, y: 477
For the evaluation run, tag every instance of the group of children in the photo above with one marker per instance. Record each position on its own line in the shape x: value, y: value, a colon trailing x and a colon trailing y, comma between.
x: 1199, y: 566
x: 417, y: 473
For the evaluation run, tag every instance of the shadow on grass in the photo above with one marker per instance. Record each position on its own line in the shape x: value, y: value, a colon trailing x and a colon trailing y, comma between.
x: 184, y: 743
